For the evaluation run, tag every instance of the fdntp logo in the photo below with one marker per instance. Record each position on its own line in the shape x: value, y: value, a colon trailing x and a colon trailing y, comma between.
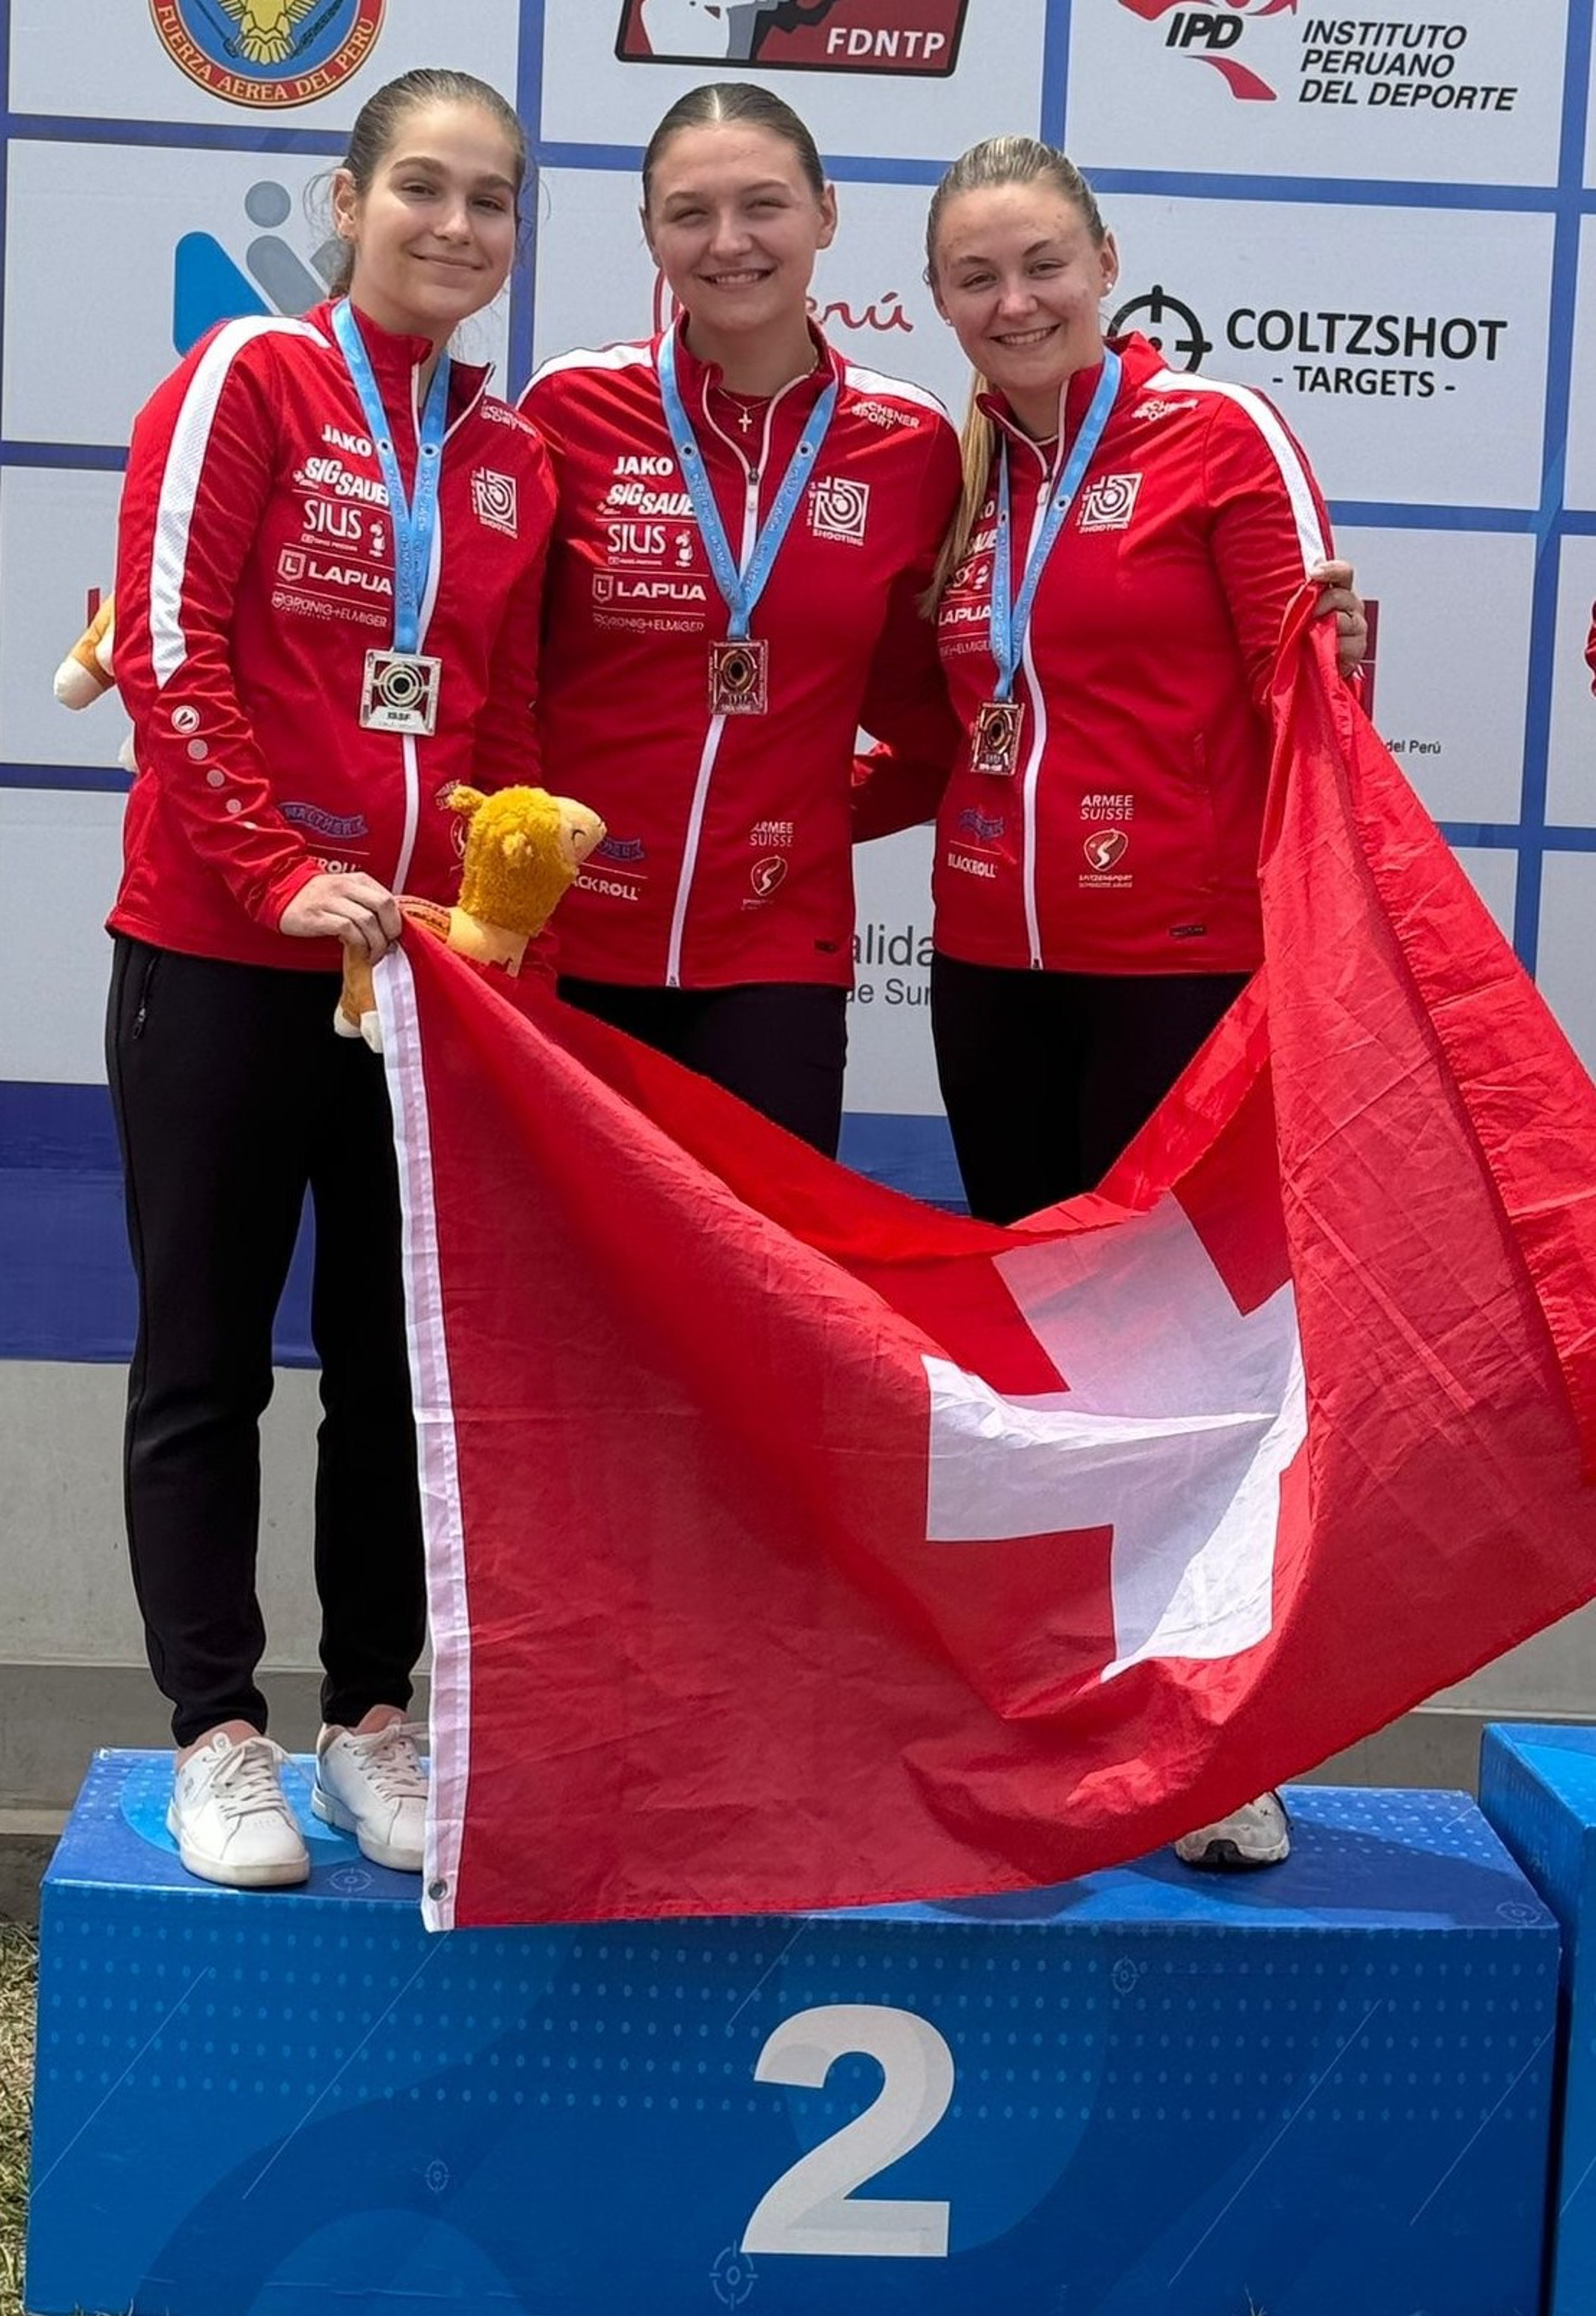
x: 267, y: 52
x: 911, y: 37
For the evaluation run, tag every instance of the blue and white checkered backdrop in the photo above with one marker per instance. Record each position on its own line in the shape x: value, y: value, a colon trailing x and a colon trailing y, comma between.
x: 1385, y: 220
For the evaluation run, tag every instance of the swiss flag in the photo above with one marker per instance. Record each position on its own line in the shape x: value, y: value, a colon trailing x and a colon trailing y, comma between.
x: 794, y: 1546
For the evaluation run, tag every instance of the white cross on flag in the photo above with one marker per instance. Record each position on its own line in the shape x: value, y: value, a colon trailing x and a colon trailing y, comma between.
x: 793, y: 1545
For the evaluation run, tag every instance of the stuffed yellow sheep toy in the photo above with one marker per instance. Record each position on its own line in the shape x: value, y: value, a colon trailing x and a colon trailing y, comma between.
x: 523, y: 848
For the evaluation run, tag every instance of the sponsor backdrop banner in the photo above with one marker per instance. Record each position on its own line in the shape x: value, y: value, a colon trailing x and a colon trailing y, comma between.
x: 1385, y: 220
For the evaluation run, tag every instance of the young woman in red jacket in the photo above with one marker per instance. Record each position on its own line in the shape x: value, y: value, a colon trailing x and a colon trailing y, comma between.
x: 1110, y: 599
x: 712, y: 650
x: 748, y: 522
x: 328, y: 573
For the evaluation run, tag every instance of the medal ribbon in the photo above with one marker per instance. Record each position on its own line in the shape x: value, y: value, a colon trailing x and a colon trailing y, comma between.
x: 414, y: 522
x: 741, y: 589
x: 1009, y: 620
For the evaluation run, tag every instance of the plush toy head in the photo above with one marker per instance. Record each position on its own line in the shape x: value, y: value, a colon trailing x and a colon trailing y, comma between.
x: 523, y: 848
x: 85, y: 675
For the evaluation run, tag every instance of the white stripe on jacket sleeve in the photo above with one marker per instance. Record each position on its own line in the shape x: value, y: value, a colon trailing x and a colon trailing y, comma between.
x: 180, y: 484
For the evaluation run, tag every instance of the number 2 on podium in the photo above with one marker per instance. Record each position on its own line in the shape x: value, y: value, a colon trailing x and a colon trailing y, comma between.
x: 810, y: 2207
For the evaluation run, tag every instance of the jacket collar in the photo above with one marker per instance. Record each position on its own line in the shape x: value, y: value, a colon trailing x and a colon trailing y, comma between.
x: 396, y: 357
x: 1140, y: 358
x: 696, y: 378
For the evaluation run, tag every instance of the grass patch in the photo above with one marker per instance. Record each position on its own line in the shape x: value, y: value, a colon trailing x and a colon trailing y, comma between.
x: 19, y: 1974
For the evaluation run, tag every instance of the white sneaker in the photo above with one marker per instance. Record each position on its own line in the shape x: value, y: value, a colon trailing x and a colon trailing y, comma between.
x: 229, y: 1819
x: 1259, y: 1833
x: 375, y: 1787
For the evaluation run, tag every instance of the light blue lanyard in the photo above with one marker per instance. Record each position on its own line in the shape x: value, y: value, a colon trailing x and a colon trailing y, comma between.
x: 413, y: 522
x: 741, y: 589
x: 1009, y: 620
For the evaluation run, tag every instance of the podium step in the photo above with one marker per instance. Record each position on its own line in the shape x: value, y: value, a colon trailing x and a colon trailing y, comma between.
x: 1304, y: 2092
x: 1538, y: 1787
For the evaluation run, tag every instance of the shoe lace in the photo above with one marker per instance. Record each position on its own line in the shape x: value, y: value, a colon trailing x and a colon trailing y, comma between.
x: 247, y: 1781
x: 392, y: 1763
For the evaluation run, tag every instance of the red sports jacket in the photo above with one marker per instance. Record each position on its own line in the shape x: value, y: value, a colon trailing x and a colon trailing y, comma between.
x: 1127, y: 840
x: 728, y: 855
x: 254, y: 572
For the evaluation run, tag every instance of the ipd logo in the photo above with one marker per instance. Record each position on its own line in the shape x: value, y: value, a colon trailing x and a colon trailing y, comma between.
x: 913, y: 37
x: 1207, y: 30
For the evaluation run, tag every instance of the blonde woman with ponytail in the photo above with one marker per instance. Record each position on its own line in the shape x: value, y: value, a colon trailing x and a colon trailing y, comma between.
x: 1095, y: 877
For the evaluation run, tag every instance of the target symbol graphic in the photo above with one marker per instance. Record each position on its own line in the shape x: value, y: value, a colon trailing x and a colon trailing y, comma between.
x: 493, y: 498
x: 839, y: 508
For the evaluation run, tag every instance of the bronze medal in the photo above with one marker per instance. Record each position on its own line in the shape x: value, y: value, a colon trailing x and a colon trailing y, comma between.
x: 994, y: 743
x: 738, y: 677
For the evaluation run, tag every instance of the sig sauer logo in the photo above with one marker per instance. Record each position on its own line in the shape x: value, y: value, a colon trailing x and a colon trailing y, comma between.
x: 906, y: 37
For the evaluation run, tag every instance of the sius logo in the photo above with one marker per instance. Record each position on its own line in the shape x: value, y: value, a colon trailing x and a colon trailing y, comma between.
x: 620, y: 848
x: 908, y: 37
x: 268, y: 53
x: 978, y: 825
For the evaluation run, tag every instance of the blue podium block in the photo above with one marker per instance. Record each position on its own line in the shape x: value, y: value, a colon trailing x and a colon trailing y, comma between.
x: 1321, y: 2090
x: 1538, y: 1787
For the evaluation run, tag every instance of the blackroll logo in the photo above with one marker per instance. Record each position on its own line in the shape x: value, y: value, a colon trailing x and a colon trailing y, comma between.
x: 267, y: 52
x: 1326, y: 349
x: 1374, y: 61
x: 918, y: 36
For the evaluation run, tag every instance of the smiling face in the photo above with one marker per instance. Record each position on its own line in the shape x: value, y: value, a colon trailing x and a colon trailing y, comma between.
x: 1017, y: 272
x: 435, y: 232
x: 734, y: 226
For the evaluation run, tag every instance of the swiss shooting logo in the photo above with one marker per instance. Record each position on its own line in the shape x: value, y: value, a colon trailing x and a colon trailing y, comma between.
x: 267, y: 52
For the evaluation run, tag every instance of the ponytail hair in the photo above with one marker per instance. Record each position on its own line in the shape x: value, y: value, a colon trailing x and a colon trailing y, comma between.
x: 742, y: 101
x: 997, y: 160
x: 977, y: 441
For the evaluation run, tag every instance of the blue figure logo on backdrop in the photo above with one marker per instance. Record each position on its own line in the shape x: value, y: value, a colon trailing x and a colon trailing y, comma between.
x: 209, y: 286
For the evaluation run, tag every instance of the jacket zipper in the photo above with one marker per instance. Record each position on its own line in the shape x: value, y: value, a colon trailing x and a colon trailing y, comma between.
x: 712, y: 748
x: 407, y: 750
x: 1033, y: 760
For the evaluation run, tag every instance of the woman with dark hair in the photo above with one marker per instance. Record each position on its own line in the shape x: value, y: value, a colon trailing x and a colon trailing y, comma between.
x: 331, y: 552
x: 747, y: 523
